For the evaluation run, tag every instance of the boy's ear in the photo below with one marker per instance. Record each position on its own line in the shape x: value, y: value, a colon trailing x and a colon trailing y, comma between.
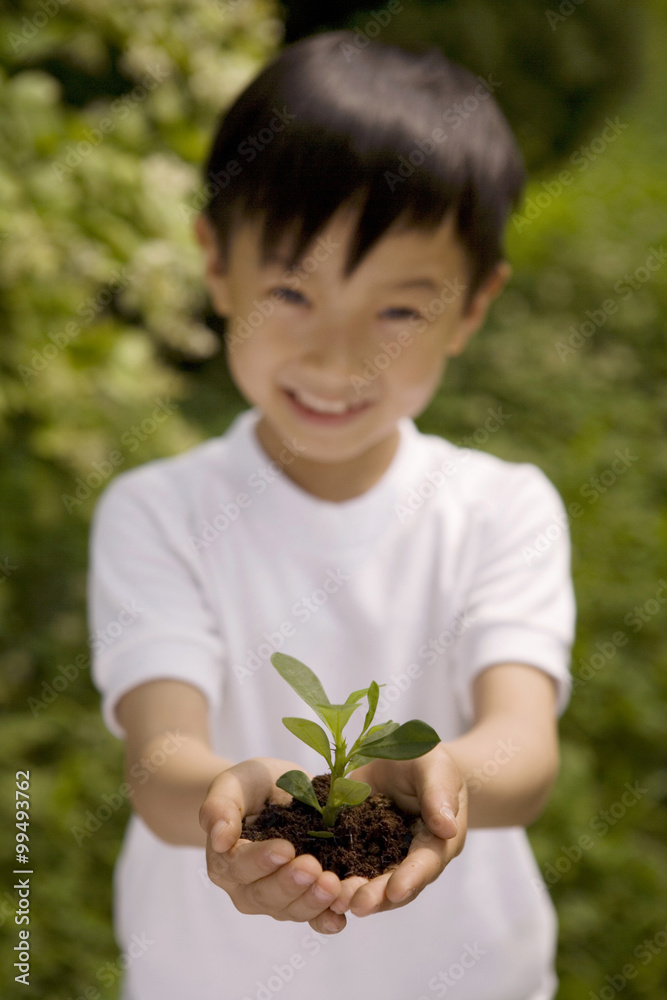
x: 476, y: 312
x: 215, y: 274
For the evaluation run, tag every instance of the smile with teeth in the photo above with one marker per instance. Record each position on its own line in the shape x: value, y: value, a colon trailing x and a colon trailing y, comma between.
x: 335, y: 406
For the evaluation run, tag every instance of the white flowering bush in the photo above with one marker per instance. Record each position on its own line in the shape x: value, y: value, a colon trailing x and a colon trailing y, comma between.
x: 107, y: 111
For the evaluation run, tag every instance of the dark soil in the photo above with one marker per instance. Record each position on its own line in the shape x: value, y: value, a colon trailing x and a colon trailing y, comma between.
x: 368, y: 838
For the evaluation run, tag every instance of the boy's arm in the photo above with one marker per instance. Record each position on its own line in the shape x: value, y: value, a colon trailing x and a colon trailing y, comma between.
x: 169, y: 761
x: 179, y: 786
x: 170, y: 765
x: 506, y: 763
x: 509, y: 758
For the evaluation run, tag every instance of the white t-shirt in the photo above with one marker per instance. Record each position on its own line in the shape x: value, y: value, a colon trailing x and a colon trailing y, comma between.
x: 203, y: 564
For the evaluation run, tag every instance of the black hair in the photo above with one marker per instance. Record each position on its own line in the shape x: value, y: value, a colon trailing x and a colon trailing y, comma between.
x: 328, y: 123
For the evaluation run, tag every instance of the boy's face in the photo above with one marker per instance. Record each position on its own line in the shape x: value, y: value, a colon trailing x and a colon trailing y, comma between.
x: 333, y: 363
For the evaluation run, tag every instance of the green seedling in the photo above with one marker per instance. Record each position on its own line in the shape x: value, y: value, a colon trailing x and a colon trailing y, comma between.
x: 388, y: 740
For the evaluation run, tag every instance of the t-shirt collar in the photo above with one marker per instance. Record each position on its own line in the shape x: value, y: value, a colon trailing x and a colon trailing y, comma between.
x: 344, y: 523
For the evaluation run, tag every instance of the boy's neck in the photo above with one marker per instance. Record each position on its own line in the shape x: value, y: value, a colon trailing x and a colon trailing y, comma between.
x: 333, y: 481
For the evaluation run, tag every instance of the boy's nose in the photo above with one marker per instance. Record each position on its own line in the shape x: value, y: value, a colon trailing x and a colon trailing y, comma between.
x: 334, y: 351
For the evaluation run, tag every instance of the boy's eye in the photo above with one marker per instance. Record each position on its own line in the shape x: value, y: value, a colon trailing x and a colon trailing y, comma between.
x: 288, y: 295
x: 402, y: 313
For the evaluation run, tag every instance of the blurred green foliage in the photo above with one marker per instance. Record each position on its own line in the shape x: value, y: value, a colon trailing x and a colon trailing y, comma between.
x: 104, y: 318
x: 556, y: 66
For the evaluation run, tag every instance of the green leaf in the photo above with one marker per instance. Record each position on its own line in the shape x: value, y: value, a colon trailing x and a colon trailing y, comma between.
x: 355, y: 761
x: 320, y: 833
x: 300, y: 677
x: 373, y: 695
x: 300, y: 786
x: 356, y: 696
x: 347, y: 792
x: 357, y: 758
x: 379, y: 731
x: 311, y: 734
x: 336, y: 716
x: 412, y: 739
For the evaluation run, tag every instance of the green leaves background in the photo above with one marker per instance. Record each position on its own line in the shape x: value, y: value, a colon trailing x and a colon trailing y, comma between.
x: 112, y: 237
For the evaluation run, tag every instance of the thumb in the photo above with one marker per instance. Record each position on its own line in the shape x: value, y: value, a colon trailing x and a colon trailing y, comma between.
x: 439, y: 796
x: 221, y: 813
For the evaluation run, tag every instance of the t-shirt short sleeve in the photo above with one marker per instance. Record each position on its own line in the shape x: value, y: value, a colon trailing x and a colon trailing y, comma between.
x: 148, y: 613
x: 520, y: 605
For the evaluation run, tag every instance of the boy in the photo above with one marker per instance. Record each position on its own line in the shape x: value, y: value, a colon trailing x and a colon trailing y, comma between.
x: 353, y: 254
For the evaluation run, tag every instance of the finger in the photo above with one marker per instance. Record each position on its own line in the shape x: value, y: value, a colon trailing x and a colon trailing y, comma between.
x: 328, y: 922
x: 317, y: 898
x: 274, y: 891
x: 439, y: 793
x: 233, y: 794
x: 221, y: 814
x: 427, y: 856
x: 370, y: 897
x: 247, y: 861
x: 348, y: 887
x: 299, y: 891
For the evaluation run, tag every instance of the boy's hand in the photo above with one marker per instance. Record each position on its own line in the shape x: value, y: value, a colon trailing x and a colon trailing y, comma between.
x: 265, y: 876
x: 256, y: 883
x: 423, y: 785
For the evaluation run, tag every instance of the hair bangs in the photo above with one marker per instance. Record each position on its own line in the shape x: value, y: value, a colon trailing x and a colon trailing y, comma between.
x: 369, y: 132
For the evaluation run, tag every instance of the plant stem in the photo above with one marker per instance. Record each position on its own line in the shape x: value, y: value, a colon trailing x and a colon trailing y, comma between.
x: 331, y: 811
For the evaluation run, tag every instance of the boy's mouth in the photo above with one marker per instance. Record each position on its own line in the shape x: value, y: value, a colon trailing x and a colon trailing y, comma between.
x: 329, y: 411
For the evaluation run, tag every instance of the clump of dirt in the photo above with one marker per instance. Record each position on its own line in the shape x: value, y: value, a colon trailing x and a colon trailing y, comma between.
x: 368, y: 838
